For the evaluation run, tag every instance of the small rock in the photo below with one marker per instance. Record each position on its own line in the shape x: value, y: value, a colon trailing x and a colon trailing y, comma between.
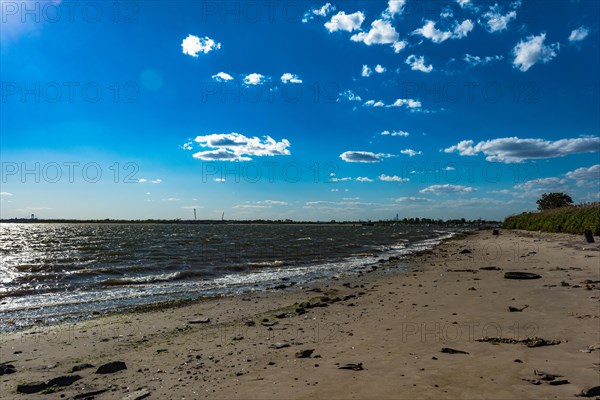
x: 66, y: 380
x: 137, y: 395
x: 111, y: 367
x: 465, y: 251
x: 81, y: 367
x: 559, y: 382
x: 33, y: 387
x: 199, y: 321
x: 279, y: 345
x: 517, y: 360
x: 6, y: 369
x: 452, y: 351
x: 352, y: 366
x: 305, y: 353
x: 590, y: 392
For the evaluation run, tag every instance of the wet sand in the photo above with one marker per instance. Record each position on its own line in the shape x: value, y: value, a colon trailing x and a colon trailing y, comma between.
x: 394, y: 324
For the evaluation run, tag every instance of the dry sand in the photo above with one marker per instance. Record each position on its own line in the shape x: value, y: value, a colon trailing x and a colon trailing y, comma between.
x: 396, y: 327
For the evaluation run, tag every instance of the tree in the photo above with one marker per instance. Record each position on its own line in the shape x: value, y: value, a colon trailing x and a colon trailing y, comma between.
x: 554, y: 200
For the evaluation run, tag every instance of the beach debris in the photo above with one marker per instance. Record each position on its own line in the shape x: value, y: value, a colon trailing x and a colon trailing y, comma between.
x: 474, y: 271
x: 589, y: 237
x: 590, y: 348
x: 517, y: 309
x: 199, y: 321
x: 530, y: 342
x: 521, y: 275
x: 81, y: 367
x: 139, y: 394
x: 6, y: 369
x: 279, y: 345
x: 36, y: 387
x: 545, y: 376
x: 491, y: 268
x: 111, y: 367
x: 33, y: 387
x: 89, y: 395
x: 591, y: 391
x: 563, y: 283
x: 352, y: 366
x: 452, y: 351
x: 304, y: 353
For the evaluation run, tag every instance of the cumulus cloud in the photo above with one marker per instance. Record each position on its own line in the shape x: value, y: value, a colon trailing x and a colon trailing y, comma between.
x: 193, y: 45
x: 495, y: 21
x: 381, y: 32
x: 586, y: 176
x: 458, y: 31
x: 222, y: 77
x: 418, y: 64
x: 345, y: 22
x: 380, y: 69
x: 290, y: 78
x: 579, y: 34
x: 237, y: 147
x: 515, y: 150
x: 410, y: 103
x: 474, y: 61
x: 364, y: 179
x: 363, y: 156
x: 463, y: 3
x: 350, y: 95
x: 410, y: 152
x: 395, y: 133
x: 399, y: 46
x: 366, y: 71
x: 447, y: 188
x: 373, y: 103
x: 395, y: 7
x: 254, y: 79
x: 322, y: 11
x: 532, y: 50
x: 394, y: 178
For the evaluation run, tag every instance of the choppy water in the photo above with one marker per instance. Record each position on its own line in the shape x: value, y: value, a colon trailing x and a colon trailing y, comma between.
x: 51, y: 271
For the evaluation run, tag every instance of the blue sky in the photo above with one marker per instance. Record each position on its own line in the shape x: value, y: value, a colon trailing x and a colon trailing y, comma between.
x: 303, y: 110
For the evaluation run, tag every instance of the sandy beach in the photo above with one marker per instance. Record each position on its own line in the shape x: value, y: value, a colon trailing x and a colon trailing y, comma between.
x: 387, y: 328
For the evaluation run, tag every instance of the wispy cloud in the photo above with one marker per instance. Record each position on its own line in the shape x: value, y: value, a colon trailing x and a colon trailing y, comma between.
x: 532, y: 50
x: 447, y: 188
x: 237, y: 147
x: 363, y: 156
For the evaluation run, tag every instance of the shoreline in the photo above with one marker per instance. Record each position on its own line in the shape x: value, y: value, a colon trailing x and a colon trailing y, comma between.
x: 395, y: 323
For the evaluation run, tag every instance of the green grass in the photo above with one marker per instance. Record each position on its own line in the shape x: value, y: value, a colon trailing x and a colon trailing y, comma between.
x: 573, y: 219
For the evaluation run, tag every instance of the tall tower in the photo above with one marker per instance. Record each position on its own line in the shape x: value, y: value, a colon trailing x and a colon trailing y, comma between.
x: 194, y: 214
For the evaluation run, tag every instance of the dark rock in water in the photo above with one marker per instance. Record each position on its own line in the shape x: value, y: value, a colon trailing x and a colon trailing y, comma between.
x: 137, y: 395
x: 304, y: 353
x: 66, y: 380
x: 33, y: 387
x: 590, y: 392
x: 490, y: 269
x: 465, y: 251
x: 111, y: 367
x: 352, y: 366
x: 521, y: 275
x: 81, y: 367
x: 199, y: 321
x: 452, y: 351
x: 6, y: 369
x: 559, y: 382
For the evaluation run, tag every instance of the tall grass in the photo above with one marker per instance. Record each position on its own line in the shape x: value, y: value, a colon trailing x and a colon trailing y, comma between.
x: 572, y: 219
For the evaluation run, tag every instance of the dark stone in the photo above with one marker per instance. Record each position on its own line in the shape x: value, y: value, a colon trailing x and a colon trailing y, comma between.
x: 29, y: 388
x: 452, y: 351
x: 352, y: 366
x: 521, y: 275
x: 590, y: 391
x: 66, y: 380
x: 490, y: 269
x: 300, y: 310
x: 589, y: 237
x: 6, y: 369
x: 517, y: 360
x: 495, y: 232
x: 279, y: 345
x: 111, y: 367
x: 81, y: 367
x: 305, y: 353
x: 199, y: 321
x: 89, y: 395
x: 559, y: 382
x: 465, y: 251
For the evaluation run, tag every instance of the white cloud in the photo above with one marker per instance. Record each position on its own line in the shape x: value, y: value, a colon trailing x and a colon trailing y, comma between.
x: 192, y: 45
x: 410, y: 152
x: 579, y: 34
x: 429, y: 31
x: 187, y: 146
x: 447, y: 188
x: 399, y: 46
x: 395, y: 133
x: 237, y: 147
x: 366, y: 71
x: 532, y: 50
x: 410, y: 103
x: 538, y: 186
x: 515, y: 150
x: 350, y: 96
x: 323, y: 11
x: 387, y: 178
x: 290, y: 78
x: 381, y: 32
x: 156, y: 181
x: 363, y: 156
x: 476, y: 60
x: 586, y: 176
x: 418, y: 64
x: 380, y: 69
x: 171, y: 199
x: 222, y: 77
x: 345, y: 22
x: 496, y: 21
x: 254, y: 79
x: 373, y: 103
x: 144, y: 180
x: 463, y: 3
x: 5, y: 194
x: 394, y: 7
x: 364, y: 179
x: 273, y: 202
x: 412, y: 199
x: 220, y: 180
x: 345, y: 179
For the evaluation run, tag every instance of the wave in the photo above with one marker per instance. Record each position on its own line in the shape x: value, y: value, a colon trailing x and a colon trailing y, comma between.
x: 142, y: 280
